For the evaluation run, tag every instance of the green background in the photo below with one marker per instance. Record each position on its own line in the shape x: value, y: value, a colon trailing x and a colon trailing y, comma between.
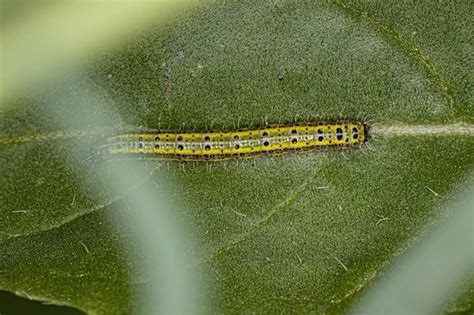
x: 292, y: 234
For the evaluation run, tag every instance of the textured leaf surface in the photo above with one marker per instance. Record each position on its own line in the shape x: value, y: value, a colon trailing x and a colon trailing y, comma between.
x: 302, y: 233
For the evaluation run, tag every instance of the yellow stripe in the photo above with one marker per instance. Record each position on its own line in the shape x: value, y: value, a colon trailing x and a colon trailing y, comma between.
x: 225, y: 145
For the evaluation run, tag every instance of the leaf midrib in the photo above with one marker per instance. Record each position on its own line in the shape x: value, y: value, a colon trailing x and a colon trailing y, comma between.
x: 390, y: 130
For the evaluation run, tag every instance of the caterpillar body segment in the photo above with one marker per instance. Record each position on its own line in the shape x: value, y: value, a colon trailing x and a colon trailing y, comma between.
x: 237, y: 144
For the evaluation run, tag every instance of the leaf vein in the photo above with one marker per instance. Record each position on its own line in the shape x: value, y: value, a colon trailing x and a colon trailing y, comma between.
x: 407, y: 45
x: 78, y: 215
x: 260, y: 224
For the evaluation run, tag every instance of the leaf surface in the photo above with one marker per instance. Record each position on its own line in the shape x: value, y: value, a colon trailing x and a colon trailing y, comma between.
x: 293, y: 234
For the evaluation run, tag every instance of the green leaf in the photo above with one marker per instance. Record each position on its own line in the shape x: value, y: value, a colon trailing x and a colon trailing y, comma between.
x: 298, y: 233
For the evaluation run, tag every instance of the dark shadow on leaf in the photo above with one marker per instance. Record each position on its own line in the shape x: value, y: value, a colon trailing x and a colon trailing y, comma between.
x: 13, y: 304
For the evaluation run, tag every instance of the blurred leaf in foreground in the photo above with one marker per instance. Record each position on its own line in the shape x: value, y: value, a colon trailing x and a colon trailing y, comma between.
x: 302, y: 233
x: 42, y: 41
x: 414, y: 286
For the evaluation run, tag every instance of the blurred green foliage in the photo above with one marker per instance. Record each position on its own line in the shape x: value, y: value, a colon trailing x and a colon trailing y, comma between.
x: 302, y: 233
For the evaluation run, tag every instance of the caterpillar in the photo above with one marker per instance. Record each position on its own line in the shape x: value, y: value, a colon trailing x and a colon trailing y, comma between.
x: 237, y: 144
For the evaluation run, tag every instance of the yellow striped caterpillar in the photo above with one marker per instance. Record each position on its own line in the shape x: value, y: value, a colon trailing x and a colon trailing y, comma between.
x: 237, y: 144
